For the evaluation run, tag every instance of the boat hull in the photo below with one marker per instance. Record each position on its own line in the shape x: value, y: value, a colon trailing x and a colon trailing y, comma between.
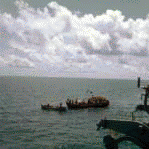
x: 45, y: 107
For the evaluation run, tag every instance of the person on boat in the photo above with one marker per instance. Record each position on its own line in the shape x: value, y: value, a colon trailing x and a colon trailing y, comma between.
x: 76, y: 102
x: 69, y: 101
x: 92, y: 96
x: 83, y: 102
x: 60, y: 105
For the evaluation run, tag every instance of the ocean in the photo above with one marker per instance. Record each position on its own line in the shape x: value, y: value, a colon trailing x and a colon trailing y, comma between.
x: 23, y: 124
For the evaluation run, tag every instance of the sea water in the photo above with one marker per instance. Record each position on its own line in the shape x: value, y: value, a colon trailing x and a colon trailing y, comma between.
x: 23, y: 124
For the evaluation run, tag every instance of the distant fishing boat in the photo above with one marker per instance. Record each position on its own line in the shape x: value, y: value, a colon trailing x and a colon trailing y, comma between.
x: 93, y: 102
x: 48, y: 107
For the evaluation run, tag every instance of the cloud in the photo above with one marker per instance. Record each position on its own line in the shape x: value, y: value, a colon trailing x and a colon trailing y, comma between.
x: 13, y: 61
x: 57, y: 39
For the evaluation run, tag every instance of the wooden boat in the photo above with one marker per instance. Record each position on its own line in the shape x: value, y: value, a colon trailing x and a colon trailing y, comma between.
x: 48, y: 107
x: 95, y: 102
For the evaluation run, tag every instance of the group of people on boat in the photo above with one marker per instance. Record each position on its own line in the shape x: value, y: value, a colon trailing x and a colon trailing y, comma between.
x: 58, y: 106
x: 94, y: 101
x: 69, y: 101
x: 90, y: 101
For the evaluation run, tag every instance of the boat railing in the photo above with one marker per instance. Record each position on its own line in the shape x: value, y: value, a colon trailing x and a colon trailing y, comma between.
x: 144, y: 96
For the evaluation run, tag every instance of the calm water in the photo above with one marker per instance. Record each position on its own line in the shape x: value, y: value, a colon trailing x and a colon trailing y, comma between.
x: 24, y: 125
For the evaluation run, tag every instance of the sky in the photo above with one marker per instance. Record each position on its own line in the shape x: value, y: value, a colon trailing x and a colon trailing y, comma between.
x: 77, y: 38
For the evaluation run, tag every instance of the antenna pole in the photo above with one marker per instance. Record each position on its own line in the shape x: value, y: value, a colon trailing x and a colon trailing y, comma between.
x: 138, y: 82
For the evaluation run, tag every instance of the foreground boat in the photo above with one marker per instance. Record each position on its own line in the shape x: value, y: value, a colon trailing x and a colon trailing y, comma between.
x: 134, y: 131
x: 145, y: 106
x: 48, y: 107
x: 95, y: 102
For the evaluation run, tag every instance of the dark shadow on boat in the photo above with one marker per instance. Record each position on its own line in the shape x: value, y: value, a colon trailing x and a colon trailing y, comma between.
x: 142, y: 108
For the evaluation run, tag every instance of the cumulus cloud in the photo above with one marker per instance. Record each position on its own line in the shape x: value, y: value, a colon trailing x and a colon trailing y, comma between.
x: 57, y: 39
